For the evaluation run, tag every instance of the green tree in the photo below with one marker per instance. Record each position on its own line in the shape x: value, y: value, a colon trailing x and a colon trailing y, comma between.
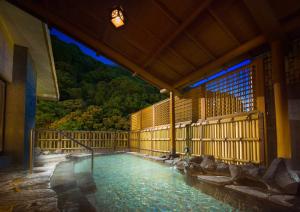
x: 94, y: 96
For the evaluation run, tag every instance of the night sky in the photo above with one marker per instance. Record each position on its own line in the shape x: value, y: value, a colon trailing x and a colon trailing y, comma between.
x: 83, y: 48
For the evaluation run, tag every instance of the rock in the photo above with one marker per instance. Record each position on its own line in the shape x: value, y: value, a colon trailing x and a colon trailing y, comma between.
x: 216, y: 180
x: 249, y: 191
x: 285, y: 179
x: 208, y: 163
x: 58, y: 151
x: 181, y: 165
x: 46, y: 152
x: 196, y: 159
x: 250, y: 169
x: 222, y: 167
x: 270, y: 173
x: 281, y: 174
x: 261, y: 171
x: 176, y: 160
x: 284, y: 200
x: 235, y: 171
x: 37, y: 151
x: 169, y: 162
x: 244, y: 171
x: 195, y: 167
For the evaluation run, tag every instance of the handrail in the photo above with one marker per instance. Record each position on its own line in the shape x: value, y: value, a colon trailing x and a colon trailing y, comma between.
x: 77, y: 142
x: 32, y: 139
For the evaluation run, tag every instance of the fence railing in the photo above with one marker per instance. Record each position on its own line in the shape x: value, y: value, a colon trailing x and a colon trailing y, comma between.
x: 233, y: 139
x: 51, y: 140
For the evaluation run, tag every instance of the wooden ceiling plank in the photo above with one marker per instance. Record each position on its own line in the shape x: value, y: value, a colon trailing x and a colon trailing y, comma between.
x: 179, y: 30
x: 219, y: 62
x: 201, y: 46
x: 70, y: 29
x: 265, y: 19
x: 223, y: 26
x: 170, y: 68
x: 166, y: 11
x: 183, y: 58
x: 159, y: 41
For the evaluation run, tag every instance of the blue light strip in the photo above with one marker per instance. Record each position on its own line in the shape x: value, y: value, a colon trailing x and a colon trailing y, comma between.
x: 221, y: 73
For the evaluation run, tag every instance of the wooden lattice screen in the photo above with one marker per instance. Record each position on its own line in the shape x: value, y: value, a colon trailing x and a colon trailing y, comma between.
x: 136, y: 121
x: 147, y: 117
x: 230, y: 94
x: 183, y: 109
x: 293, y: 64
x: 162, y: 113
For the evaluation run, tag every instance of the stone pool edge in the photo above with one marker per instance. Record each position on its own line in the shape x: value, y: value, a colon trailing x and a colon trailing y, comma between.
x: 212, y: 189
x: 215, y: 189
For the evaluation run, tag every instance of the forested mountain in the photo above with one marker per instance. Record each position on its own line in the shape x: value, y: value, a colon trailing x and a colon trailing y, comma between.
x: 94, y: 96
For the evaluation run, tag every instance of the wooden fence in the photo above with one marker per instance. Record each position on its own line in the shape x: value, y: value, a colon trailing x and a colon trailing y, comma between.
x: 51, y: 140
x: 233, y: 139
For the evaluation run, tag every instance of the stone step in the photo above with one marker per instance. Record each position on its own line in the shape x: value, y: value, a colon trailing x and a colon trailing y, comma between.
x: 215, y: 180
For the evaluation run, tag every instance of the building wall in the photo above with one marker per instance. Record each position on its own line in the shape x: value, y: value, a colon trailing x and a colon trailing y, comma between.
x: 2, y: 110
x: 270, y: 108
x: 20, y: 107
x: 6, y: 53
x: 30, y: 105
x: 293, y: 86
x: 294, y: 116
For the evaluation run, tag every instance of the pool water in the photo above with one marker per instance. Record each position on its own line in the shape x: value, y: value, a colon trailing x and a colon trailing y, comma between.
x: 130, y: 183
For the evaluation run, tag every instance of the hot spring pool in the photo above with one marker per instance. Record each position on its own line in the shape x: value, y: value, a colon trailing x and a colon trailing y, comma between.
x: 126, y: 182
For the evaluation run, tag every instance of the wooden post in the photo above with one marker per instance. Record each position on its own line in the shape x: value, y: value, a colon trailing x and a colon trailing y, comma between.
x: 202, y: 103
x: 128, y: 141
x: 281, y: 101
x: 259, y: 92
x: 139, y: 140
x: 172, y: 124
x: 31, y: 150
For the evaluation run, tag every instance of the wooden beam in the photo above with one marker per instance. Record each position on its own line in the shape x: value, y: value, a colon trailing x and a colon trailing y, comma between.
x: 265, y: 19
x: 75, y: 32
x: 219, y: 62
x: 259, y: 94
x: 179, y: 30
x: 223, y: 26
x: 172, y: 124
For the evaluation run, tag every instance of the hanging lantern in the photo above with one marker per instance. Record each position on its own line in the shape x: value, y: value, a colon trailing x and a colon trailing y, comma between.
x: 117, y: 17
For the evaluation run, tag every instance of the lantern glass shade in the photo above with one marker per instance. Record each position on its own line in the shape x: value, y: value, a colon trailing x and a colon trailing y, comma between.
x: 117, y: 17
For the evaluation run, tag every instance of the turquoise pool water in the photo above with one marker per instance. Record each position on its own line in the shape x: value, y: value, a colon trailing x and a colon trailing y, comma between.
x: 129, y: 183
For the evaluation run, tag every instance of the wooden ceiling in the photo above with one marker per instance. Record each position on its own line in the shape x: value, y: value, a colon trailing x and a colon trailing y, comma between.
x: 171, y: 43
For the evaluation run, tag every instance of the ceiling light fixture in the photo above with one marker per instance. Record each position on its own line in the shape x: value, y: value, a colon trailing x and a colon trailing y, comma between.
x: 117, y: 17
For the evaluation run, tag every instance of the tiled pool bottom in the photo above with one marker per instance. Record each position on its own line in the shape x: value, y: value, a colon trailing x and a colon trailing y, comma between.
x: 129, y: 183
